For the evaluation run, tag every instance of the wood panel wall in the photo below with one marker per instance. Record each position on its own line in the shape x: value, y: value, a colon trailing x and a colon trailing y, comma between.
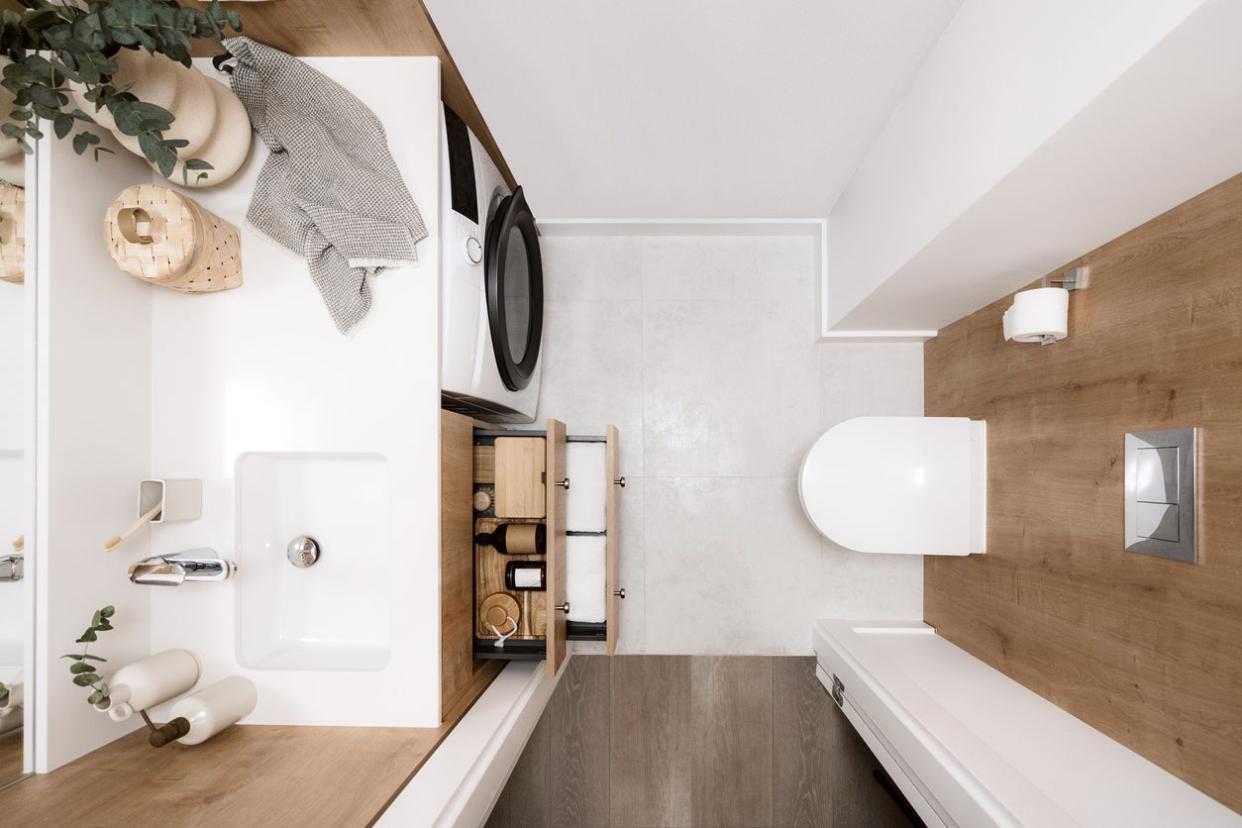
x: 1147, y: 650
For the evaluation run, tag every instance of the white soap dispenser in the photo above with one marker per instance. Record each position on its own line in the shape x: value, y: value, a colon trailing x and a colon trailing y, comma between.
x: 198, y: 717
x: 148, y: 682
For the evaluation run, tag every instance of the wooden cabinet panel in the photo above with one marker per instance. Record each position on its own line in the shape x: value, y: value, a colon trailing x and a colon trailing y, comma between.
x: 520, y: 464
x: 557, y: 484
x: 462, y: 678
x: 612, y: 613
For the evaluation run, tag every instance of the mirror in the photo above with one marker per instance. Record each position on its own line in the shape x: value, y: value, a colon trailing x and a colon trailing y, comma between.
x: 16, y: 407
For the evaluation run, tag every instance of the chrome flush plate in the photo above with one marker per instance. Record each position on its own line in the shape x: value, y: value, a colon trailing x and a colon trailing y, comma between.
x: 1160, y: 493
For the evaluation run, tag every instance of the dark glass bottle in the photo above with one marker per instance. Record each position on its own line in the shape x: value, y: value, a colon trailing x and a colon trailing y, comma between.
x: 526, y: 575
x: 516, y: 538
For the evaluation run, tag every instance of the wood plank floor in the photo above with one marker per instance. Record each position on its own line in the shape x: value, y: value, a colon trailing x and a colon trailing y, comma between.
x: 694, y: 741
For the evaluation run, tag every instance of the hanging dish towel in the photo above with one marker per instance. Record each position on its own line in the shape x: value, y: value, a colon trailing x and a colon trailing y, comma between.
x: 330, y: 189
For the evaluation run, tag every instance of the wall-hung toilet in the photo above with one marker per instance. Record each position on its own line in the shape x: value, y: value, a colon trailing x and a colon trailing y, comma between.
x: 904, y: 485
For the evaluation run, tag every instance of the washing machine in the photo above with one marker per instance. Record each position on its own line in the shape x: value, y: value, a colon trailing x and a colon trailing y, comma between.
x: 491, y: 314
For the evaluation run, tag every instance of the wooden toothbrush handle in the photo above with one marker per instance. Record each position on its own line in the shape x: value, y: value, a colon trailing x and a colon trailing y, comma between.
x: 113, y: 543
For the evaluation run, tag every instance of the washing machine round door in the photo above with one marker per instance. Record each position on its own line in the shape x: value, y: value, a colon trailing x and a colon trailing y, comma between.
x: 514, y: 290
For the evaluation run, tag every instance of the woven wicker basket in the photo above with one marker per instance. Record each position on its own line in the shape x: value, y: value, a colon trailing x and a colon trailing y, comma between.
x: 12, y: 234
x: 167, y: 239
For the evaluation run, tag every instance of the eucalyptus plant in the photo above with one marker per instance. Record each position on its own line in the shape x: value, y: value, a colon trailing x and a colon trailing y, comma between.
x: 51, y: 45
x: 83, y: 671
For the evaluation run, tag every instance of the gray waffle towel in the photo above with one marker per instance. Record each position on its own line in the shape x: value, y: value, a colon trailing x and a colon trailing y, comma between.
x: 330, y: 190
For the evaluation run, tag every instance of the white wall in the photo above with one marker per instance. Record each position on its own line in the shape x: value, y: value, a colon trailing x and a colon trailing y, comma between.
x: 1001, y: 82
x: 94, y: 412
x: 703, y: 351
x: 688, y: 109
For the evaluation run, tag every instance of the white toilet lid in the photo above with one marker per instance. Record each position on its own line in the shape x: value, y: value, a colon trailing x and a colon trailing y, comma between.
x: 903, y: 485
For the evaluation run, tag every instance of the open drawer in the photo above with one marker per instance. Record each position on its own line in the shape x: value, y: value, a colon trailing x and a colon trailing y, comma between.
x: 568, y: 486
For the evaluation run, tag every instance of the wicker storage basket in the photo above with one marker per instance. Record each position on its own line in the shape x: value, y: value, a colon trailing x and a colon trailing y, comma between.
x: 167, y: 239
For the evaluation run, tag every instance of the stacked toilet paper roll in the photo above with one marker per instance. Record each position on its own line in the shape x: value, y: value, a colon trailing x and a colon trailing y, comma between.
x: 1039, y: 315
x: 206, y: 114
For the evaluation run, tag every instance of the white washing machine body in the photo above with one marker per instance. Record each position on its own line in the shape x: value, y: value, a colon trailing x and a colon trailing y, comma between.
x: 491, y: 297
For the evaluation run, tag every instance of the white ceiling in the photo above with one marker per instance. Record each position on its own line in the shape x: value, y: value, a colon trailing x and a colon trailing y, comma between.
x: 687, y: 109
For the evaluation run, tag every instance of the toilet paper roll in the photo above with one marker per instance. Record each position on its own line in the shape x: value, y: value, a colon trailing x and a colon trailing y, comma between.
x: 1036, y: 314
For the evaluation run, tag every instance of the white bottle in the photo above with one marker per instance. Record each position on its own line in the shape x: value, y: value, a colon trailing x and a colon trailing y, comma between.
x: 214, y: 708
x: 151, y: 681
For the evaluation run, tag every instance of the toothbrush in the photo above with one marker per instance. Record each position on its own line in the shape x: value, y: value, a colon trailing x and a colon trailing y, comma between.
x: 114, y: 542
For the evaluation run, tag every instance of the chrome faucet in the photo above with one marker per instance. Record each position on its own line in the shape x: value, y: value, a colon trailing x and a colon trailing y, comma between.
x: 172, y: 570
x: 12, y: 567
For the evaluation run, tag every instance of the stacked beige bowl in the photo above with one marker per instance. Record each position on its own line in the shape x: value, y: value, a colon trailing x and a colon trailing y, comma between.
x: 206, y: 114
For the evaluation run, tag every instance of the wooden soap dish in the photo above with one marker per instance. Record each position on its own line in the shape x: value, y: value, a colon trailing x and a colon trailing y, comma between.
x: 495, y: 611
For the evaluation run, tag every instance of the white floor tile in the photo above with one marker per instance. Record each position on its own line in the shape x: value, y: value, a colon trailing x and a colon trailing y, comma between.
x: 732, y: 567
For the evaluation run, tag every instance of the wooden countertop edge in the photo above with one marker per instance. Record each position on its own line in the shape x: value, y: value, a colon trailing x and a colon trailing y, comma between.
x: 234, y: 778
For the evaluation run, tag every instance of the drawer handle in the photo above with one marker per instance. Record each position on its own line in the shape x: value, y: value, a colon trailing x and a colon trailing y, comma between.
x: 620, y: 481
x: 564, y: 484
x: 563, y: 607
x: 620, y: 593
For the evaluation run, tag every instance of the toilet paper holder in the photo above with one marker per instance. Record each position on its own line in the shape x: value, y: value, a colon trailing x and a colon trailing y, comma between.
x: 1042, y: 314
x: 1076, y: 278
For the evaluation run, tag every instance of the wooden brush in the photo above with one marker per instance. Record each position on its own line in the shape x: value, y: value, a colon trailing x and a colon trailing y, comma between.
x: 116, y: 541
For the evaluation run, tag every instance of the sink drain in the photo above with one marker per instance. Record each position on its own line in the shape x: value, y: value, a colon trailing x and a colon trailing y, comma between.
x: 303, y: 551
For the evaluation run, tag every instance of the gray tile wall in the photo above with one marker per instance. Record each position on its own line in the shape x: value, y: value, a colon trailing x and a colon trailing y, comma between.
x: 647, y: 741
x: 703, y: 351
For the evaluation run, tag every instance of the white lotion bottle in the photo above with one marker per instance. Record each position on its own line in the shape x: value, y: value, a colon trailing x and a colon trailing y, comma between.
x: 197, y: 718
x: 148, y: 682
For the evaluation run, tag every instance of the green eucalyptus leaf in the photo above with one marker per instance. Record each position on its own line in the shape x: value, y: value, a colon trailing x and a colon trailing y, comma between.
x: 89, y: 635
x: 96, y: 697
x: 81, y: 667
x: 85, y: 679
x: 108, y: 611
x: 153, y: 148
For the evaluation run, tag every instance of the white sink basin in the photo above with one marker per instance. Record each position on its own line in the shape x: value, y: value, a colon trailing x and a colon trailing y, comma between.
x: 337, y: 613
